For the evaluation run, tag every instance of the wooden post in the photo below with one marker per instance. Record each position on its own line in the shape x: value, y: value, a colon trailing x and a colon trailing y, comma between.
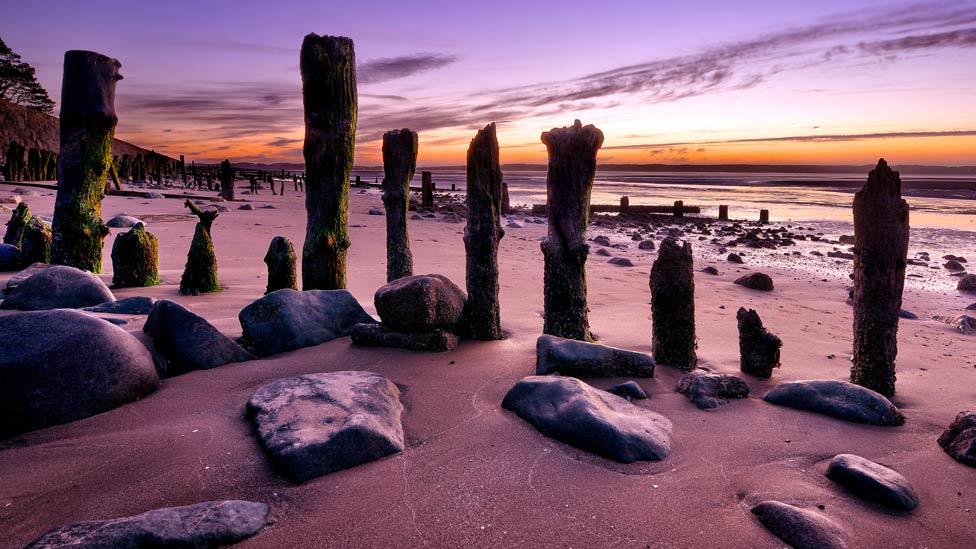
x: 679, y: 208
x: 672, y: 283
x: 723, y: 213
x: 758, y: 348
x: 569, y: 183
x: 200, y: 273
x: 399, y: 163
x: 880, y: 255
x: 506, y: 201
x: 426, y: 190
x: 328, y: 67
x: 88, y: 122
x: 624, y: 204
x: 281, y: 259
x: 482, y: 316
x: 764, y: 216
x: 227, y: 180
x: 135, y: 258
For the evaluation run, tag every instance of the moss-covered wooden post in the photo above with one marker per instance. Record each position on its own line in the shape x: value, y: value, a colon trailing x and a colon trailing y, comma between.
x: 569, y: 182
x: 87, y: 127
x: 17, y: 224
x: 399, y: 163
x: 280, y: 260
x: 35, y: 245
x: 200, y: 273
x: 672, y: 283
x: 135, y: 258
x: 482, y: 316
x: 226, y: 180
x: 328, y: 66
x: 880, y: 257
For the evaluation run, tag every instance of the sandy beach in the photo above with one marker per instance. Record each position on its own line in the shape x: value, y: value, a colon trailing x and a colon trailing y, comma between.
x: 474, y: 474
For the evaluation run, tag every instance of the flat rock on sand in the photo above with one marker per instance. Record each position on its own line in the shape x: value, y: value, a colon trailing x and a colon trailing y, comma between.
x: 420, y: 303
x: 872, y: 481
x: 707, y: 390
x: 123, y: 221
x: 959, y: 440
x: 800, y: 528
x: 187, y: 341
x: 581, y: 359
x: 208, y: 524
x: 287, y: 319
x: 628, y: 389
x: 138, y: 305
x: 378, y: 335
x: 756, y: 281
x: 838, y: 399
x: 57, y: 287
x: 74, y: 366
x: 570, y: 411
x: 315, y: 424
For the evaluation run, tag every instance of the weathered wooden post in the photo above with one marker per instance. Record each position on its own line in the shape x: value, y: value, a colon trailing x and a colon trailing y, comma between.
x: 183, y: 170
x: 399, y: 162
x: 227, y: 180
x: 624, y: 203
x: 35, y: 245
x: 764, y: 216
x: 328, y: 66
x: 17, y: 225
x: 88, y: 122
x: 280, y: 260
x: 200, y: 273
x: 426, y: 190
x: 569, y: 182
x: 506, y: 201
x: 880, y: 255
x: 679, y: 208
x: 758, y: 347
x: 13, y: 168
x: 135, y: 258
x: 482, y: 316
x: 723, y: 212
x: 672, y: 283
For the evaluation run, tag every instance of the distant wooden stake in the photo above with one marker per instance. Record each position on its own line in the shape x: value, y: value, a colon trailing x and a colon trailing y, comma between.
x: 880, y: 255
x: 482, y: 316
x: 281, y: 259
x: 569, y: 183
x: 88, y: 122
x: 426, y: 190
x: 328, y: 67
x: 399, y: 163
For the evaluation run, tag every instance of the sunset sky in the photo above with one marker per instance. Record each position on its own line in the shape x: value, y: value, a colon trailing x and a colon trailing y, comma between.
x: 828, y: 82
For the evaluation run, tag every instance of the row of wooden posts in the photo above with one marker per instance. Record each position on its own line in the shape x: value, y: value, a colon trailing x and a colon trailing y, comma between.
x: 327, y: 65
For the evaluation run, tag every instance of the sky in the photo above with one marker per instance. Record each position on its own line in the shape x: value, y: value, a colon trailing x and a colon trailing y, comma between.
x: 674, y: 82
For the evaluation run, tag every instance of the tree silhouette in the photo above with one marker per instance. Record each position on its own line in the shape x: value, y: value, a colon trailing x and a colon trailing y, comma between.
x: 19, y: 85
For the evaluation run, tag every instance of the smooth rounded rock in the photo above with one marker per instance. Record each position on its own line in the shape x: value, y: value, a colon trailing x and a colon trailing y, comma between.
x: 756, y: 281
x: 959, y: 439
x: 872, y: 481
x: 837, y: 399
x: 706, y: 390
x: 420, y: 303
x: 187, y: 341
x: 58, y: 287
x: 582, y: 359
x: 123, y: 222
x: 800, y: 528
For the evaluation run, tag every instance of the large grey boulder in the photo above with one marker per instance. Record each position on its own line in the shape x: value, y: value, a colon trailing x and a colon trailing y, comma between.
x: 959, y: 440
x: 872, y: 481
x: 19, y: 278
x: 800, y: 528
x: 838, y: 399
x: 570, y: 411
x: 187, y: 341
x: 64, y: 365
x: 9, y: 257
x: 420, y: 303
x: 315, y: 424
x: 208, y: 524
x: 58, y: 287
x: 707, y: 390
x: 581, y: 359
x: 287, y: 319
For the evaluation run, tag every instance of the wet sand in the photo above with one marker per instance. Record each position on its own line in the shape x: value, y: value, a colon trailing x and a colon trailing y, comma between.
x: 476, y: 475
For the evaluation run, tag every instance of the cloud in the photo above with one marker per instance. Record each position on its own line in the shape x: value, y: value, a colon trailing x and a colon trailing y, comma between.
x: 392, y: 68
x: 283, y: 142
x: 812, y: 138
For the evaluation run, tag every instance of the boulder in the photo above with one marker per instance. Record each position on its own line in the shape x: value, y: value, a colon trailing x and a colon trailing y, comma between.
x: 953, y: 265
x: 287, y: 319
x: 154, y: 195
x: 378, y: 335
x: 734, y: 258
x: 710, y: 270
x: 74, y: 366
x: 628, y: 389
x: 800, y: 528
x: 246, y: 207
x: 123, y: 221
x: 967, y: 284
x: 838, y: 399
x: 208, y: 524
x: 645, y: 245
x: 603, y: 252
x: 570, y: 411
x: 376, y: 211
x: 964, y: 324
x: 57, y: 287
x: 872, y: 481
x: 571, y: 357
x: 315, y: 424
x: 601, y: 240
x: 187, y: 341
x: 959, y: 439
x: 138, y: 305
x: 9, y: 257
x: 621, y: 262
x: 23, y: 275
x: 420, y: 303
x: 756, y: 281
x: 708, y: 391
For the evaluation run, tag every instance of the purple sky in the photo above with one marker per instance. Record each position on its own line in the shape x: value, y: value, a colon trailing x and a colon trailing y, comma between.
x: 667, y: 81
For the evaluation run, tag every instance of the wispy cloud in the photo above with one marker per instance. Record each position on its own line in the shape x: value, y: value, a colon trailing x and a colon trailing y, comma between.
x: 392, y: 68
x: 657, y: 148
